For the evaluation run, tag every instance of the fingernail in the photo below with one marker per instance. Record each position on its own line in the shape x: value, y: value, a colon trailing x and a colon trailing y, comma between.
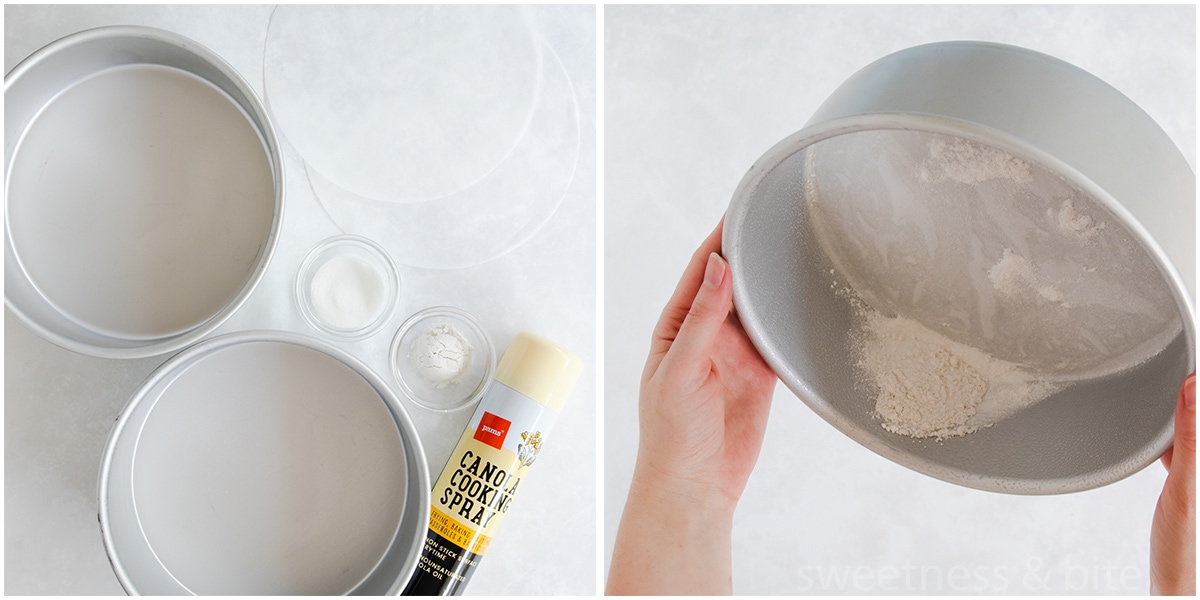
x: 714, y: 272
x: 1189, y: 392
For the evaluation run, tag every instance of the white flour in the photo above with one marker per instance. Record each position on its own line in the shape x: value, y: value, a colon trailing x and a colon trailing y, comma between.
x: 925, y: 386
x: 1013, y: 274
x: 347, y: 293
x: 966, y: 162
x: 441, y: 355
x: 1072, y: 223
x: 930, y: 386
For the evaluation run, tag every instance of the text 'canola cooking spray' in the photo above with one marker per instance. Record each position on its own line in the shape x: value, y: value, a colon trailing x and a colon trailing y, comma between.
x: 485, y: 470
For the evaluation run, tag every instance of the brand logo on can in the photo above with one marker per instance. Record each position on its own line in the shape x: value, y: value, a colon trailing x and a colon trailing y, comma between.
x: 492, y: 430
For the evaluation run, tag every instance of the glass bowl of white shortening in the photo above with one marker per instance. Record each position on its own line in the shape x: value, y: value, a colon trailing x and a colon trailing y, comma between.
x: 347, y: 287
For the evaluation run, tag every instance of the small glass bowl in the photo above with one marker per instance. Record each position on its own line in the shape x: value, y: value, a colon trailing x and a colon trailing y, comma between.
x: 469, y: 386
x: 359, y: 253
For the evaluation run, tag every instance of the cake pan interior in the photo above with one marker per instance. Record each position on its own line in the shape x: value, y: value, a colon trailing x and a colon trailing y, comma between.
x: 264, y: 463
x: 143, y: 191
x: 1108, y: 416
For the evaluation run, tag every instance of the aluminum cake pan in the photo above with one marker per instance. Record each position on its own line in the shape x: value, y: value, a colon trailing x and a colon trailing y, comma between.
x: 264, y: 463
x: 143, y: 191
x: 1039, y: 109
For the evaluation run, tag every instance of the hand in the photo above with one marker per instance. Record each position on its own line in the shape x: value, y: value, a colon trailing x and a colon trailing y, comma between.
x: 705, y: 390
x: 705, y: 397
x: 1173, y: 533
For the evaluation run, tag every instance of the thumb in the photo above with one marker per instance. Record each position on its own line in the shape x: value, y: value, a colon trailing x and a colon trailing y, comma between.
x: 693, y: 345
x: 1173, y: 532
x: 1182, y: 476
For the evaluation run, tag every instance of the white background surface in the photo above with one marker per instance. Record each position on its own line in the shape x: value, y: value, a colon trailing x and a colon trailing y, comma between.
x: 60, y: 406
x: 693, y: 96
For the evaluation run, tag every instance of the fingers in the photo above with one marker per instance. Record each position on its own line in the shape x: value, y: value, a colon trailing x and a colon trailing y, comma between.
x: 685, y: 292
x: 697, y: 335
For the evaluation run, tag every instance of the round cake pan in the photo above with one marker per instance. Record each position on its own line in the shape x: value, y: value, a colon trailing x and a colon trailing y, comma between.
x: 1044, y: 112
x: 264, y: 463
x: 143, y: 191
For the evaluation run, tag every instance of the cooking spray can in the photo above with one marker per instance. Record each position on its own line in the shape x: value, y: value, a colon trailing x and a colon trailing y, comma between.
x: 485, y: 470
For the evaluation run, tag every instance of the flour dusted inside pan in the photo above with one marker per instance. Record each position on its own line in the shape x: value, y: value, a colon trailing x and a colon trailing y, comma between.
x: 927, y: 385
x: 984, y: 282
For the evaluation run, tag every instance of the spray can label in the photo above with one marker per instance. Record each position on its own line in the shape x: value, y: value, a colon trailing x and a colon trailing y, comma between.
x: 476, y: 488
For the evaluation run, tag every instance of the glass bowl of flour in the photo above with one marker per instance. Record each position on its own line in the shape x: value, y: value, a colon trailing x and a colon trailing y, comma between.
x: 442, y: 358
x: 347, y: 287
x: 960, y: 265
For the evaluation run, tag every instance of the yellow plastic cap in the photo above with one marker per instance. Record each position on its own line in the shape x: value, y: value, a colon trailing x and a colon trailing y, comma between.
x: 540, y: 369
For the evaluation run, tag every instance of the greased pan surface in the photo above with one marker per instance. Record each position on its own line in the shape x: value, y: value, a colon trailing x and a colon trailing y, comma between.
x: 263, y: 463
x: 143, y: 191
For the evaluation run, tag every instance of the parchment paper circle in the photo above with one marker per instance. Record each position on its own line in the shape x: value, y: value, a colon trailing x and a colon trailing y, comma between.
x: 388, y: 169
